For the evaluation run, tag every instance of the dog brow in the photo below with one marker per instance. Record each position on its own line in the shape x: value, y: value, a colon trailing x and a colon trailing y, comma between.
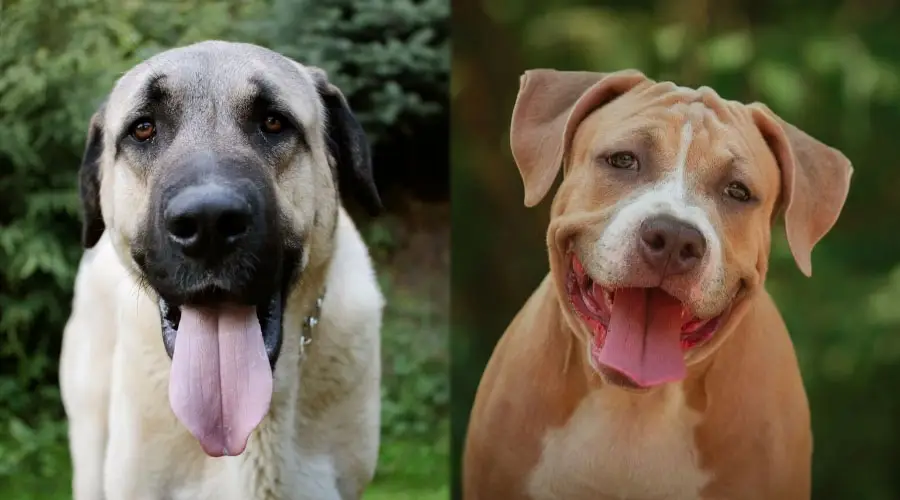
x: 264, y: 91
x: 637, y: 137
x: 152, y: 91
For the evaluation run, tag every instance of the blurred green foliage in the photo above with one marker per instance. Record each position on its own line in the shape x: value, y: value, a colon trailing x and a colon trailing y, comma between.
x: 830, y: 67
x: 391, y: 56
x: 58, y: 58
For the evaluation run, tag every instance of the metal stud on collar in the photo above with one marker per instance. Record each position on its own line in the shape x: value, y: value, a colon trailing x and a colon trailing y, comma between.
x: 309, y: 325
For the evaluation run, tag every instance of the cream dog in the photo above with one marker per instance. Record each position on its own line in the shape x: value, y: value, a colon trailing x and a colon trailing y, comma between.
x: 224, y: 339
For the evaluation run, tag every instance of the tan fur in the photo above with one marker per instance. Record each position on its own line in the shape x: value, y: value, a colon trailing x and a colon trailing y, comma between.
x: 320, y: 438
x: 546, y: 424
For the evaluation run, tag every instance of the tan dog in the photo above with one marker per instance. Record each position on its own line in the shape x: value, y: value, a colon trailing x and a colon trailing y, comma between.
x: 651, y: 363
x: 224, y: 338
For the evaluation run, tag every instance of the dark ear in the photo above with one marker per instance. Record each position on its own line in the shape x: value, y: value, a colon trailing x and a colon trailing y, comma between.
x: 348, y: 145
x: 92, y: 225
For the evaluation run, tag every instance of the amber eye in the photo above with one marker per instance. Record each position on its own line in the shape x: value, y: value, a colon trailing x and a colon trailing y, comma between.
x: 143, y: 130
x: 738, y: 191
x: 623, y: 160
x: 272, y: 124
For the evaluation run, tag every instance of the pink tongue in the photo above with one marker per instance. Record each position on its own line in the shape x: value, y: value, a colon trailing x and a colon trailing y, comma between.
x: 220, y: 385
x: 643, y: 340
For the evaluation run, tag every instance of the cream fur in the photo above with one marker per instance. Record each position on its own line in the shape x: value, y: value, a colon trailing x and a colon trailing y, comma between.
x: 654, y: 448
x: 320, y: 440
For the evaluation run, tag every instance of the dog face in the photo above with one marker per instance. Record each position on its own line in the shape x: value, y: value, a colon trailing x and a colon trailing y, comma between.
x: 215, y: 169
x: 662, y: 225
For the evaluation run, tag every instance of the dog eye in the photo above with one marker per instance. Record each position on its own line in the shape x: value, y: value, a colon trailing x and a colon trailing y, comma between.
x: 273, y: 123
x: 738, y: 191
x: 143, y: 130
x: 623, y: 160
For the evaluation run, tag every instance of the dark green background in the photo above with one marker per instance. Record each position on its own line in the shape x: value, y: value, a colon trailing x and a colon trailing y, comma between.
x: 58, y: 58
x: 831, y: 68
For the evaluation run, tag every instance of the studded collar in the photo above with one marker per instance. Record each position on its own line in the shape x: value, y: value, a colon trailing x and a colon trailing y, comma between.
x: 309, y: 325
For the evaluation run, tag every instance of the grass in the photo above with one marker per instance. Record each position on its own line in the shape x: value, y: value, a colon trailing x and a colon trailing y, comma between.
x: 34, y: 465
x: 415, y: 400
x: 413, y: 470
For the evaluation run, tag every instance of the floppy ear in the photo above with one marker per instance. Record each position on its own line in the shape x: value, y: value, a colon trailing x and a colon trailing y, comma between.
x: 549, y: 107
x: 815, y: 180
x: 92, y: 225
x: 348, y: 145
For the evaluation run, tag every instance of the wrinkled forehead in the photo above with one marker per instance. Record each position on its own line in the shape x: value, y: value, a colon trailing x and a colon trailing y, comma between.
x: 695, y: 124
x: 214, y: 78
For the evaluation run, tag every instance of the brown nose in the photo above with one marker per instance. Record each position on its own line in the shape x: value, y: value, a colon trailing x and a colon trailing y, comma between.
x: 671, y: 246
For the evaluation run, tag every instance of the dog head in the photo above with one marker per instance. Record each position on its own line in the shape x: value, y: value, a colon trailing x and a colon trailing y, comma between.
x: 215, y: 170
x: 661, y: 227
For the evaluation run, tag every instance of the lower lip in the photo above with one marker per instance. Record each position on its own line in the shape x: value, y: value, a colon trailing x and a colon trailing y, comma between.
x: 694, y: 333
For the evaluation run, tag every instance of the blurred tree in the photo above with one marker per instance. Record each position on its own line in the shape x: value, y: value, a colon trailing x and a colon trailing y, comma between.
x: 392, y: 58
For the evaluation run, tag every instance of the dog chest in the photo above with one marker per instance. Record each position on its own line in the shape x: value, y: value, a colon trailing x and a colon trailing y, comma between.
x: 618, y: 445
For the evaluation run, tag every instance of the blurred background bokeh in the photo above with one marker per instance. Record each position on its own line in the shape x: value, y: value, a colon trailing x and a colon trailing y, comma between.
x: 58, y: 58
x: 830, y: 67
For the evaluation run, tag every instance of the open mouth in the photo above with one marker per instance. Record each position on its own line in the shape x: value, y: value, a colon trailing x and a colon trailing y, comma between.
x: 640, y: 334
x: 268, y: 314
x: 223, y: 358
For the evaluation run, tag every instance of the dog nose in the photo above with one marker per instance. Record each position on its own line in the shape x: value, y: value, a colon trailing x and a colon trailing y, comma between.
x: 671, y: 246
x: 206, y: 221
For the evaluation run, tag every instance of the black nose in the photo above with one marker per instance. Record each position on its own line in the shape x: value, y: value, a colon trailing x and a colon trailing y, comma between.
x: 206, y: 221
x: 671, y: 246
